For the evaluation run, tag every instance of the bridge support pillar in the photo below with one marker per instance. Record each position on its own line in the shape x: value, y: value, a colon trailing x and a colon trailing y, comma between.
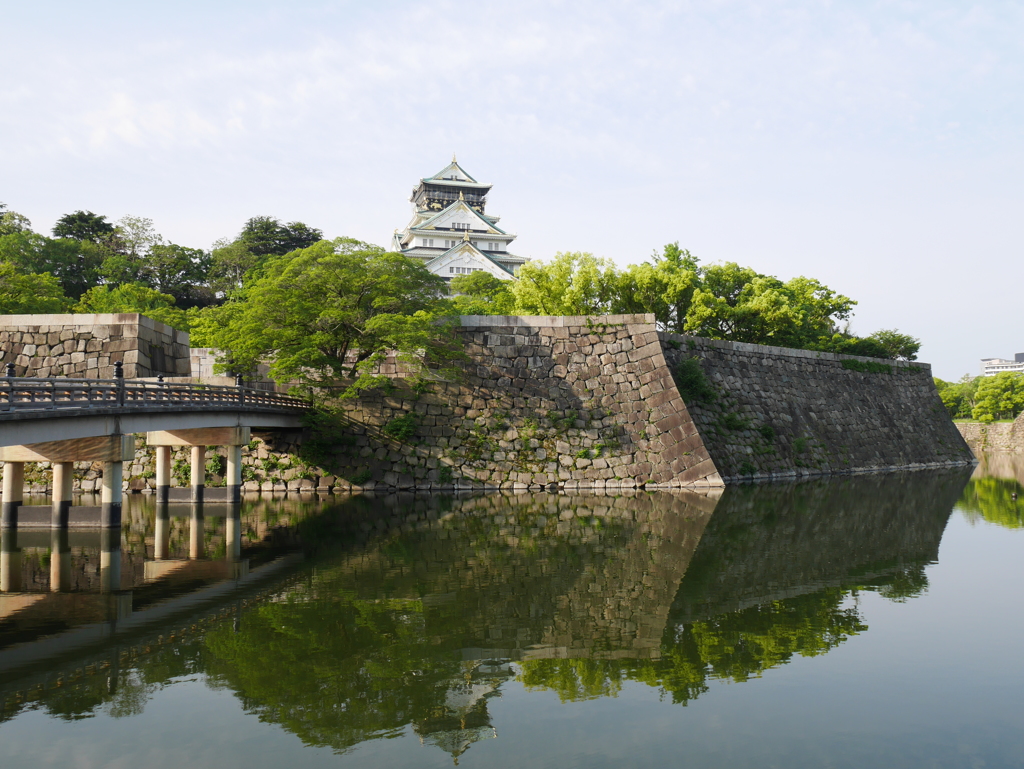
x: 60, y: 561
x: 162, y: 535
x: 234, y: 479
x: 63, y: 478
x: 13, y: 491
x: 110, y: 501
x: 163, y: 473
x: 111, y: 450
x: 198, y: 474
x: 10, y: 561
x: 198, y: 439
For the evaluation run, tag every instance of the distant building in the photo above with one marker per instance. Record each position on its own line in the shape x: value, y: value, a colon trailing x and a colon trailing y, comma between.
x: 450, y: 231
x: 993, y: 366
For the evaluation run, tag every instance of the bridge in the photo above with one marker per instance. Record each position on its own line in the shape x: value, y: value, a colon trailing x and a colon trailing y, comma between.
x: 62, y: 421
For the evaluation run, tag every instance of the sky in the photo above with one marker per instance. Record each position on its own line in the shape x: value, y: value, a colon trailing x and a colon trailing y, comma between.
x: 875, y: 146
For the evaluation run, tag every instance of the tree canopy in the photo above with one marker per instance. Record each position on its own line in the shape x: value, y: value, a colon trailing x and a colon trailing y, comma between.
x: 84, y: 225
x: 320, y: 309
x: 999, y: 397
x: 719, y: 301
x: 28, y: 292
x: 331, y: 312
x: 132, y: 297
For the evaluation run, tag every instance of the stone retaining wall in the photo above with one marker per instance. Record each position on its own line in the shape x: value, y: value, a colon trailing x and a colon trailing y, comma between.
x: 88, y: 346
x: 573, y: 401
x: 999, y: 436
x: 578, y: 402
x: 777, y: 413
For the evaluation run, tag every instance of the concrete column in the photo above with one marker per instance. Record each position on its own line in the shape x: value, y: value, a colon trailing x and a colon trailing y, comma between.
x: 163, y: 473
x: 110, y: 511
x: 196, y: 543
x: 234, y: 479
x: 233, y: 533
x: 198, y: 473
x: 110, y: 560
x: 60, y: 561
x: 162, y: 535
x: 63, y: 477
x: 14, y: 489
x: 10, y: 561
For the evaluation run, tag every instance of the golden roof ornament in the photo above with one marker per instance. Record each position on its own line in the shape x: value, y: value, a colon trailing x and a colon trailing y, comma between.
x: 461, y: 196
x: 465, y: 238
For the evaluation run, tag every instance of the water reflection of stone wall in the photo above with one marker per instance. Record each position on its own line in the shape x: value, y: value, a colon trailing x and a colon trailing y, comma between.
x: 764, y: 544
x: 1004, y: 465
x: 412, y: 606
x: 541, y: 575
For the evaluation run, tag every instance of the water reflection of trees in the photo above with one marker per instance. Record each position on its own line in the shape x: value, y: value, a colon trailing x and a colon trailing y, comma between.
x: 996, y: 500
x: 415, y: 612
x: 736, y: 647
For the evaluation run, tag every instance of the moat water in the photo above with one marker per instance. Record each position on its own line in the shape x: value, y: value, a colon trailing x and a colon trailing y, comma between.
x: 871, y: 621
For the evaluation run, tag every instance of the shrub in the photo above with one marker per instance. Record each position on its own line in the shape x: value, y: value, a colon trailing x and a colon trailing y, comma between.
x: 402, y: 428
x: 691, y: 382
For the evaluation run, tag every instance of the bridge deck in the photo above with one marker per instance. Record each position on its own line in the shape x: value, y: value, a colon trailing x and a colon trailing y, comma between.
x: 36, y: 410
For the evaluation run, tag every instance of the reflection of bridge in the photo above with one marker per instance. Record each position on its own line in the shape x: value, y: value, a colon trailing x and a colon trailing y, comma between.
x: 62, y: 421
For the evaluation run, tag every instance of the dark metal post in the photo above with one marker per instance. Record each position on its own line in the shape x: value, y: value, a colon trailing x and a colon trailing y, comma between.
x: 119, y: 377
x: 240, y: 384
x: 9, y: 370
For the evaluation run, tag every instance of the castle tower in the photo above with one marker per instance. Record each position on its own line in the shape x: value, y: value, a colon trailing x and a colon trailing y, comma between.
x: 450, y: 231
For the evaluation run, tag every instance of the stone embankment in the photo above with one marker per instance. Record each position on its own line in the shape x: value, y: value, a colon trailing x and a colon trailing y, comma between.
x: 774, y: 412
x: 998, y: 436
x: 88, y: 346
x: 587, y: 403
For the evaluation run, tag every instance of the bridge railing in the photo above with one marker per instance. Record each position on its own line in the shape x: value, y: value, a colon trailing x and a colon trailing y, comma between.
x: 23, y: 394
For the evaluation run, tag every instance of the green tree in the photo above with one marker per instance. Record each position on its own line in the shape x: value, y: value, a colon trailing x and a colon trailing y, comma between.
x: 84, y: 225
x: 896, y: 345
x: 331, y: 312
x: 959, y: 397
x: 179, y: 271
x: 480, y: 293
x: 266, y: 236
x: 12, y: 222
x: 573, y: 283
x: 129, y: 247
x: 230, y: 262
x: 132, y: 297
x: 663, y: 287
x: 25, y: 293
x: 999, y: 397
x: 76, y: 264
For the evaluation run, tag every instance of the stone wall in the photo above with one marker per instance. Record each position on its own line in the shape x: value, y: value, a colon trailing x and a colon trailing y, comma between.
x: 777, y: 413
x: 577, y: 402
x: 997, y: 436
x: 88, y: 346
x: 574, y: 401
